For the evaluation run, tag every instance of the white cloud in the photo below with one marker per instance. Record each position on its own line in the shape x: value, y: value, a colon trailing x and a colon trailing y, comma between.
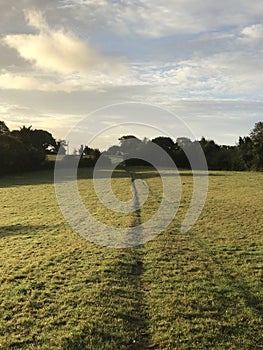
x: 224, y: 75
x: 35, y: 19
x: 253, y: 32
x: 10, y: 81
x: 58, y: 51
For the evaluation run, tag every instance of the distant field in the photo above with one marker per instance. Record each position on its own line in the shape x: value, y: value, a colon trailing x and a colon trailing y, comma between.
x: 200, y: 290
x: 53, y: 157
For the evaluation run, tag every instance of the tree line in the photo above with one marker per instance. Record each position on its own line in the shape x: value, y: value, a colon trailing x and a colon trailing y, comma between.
x: 27, y: 149
x: 247, y: 154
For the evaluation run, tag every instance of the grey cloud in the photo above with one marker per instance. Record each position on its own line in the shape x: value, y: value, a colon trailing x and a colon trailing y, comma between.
x: 150, y: 19
x: 155, y: 19
x: 11, y: 61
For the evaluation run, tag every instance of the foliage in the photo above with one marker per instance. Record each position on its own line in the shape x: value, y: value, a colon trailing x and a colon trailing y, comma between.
x: 257, y: 140
x: 165, y: 143
x: 247, y: 153
x: 114, y: 150
x: 4, y: 130
x: 60, y: 147
x: 39, y: 139
x: 12, y: 154
x: 91, y: 152
x: 24, y: 149
x: 36, y: 144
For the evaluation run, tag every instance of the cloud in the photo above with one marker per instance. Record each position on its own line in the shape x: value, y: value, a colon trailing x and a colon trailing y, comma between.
x: 10, y: 81
x: 155, y: 19
x: 36, y: 19
x: 253, y: 32
x: 190, y: 56
x: 223, y: 75
x: 58, y: 51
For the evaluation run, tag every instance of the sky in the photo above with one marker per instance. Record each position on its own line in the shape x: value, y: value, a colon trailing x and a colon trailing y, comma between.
x: 94, y: 66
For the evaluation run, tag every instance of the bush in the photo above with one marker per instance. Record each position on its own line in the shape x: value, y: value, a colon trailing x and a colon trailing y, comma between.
x: 135, y: 162
x: 13, y: 154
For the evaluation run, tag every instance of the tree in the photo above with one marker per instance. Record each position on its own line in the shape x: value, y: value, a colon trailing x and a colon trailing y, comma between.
x: 60, y: 147
x: 183, y: 142
x: 211, y: 151
x: 91, y: 153
x: 4, y: 130
x: 23, y: 149
x: 113, y: 150
x: 24, y: 134
x: 129, y: 144
x: 81, y: 149
x: 229, y: 158
x: 37, y: 143
x: 40, y: 139
x: 246, y: 152
x: 13, y: 154
x: 43, y: 139
x: 165, y: 143
x: 256, y: 136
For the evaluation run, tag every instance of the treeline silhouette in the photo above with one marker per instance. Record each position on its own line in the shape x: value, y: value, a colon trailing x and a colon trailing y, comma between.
x: 27, y: 149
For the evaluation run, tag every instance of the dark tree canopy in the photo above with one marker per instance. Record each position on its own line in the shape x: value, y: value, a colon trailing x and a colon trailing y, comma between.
x: 60, y: 147
x: 26, y: 149
x: 40, y: 139
x: 129, y: 144
x: 256, y: 136
x: 127, y: 137
x: 165, y: 142
x: 12, y: 154
x: 113, y: 150
x: 91, y: 152
x: 4, y: 130
x: 257, y: 133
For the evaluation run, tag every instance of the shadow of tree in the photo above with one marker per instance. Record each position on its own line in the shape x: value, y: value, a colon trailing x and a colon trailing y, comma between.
x: 18, y: 230
x: 45, y: 177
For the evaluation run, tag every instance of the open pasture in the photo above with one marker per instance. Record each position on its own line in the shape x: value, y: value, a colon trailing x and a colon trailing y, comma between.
x: 199, y: 290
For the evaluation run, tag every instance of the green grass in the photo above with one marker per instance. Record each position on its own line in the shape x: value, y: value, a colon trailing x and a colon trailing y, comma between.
x: 200, y: 290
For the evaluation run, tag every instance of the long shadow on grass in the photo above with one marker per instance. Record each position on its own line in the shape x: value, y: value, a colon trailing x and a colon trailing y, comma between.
x: 250, y: 299
x: 132, y: 261
x: 119, y: 297
x: 127, y: 290
x: 127, y: 286
x: 205, y: 301
x: 46, y: 177
x: 19, y: 230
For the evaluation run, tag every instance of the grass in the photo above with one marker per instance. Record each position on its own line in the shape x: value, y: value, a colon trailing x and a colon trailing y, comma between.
x: 200, y: 290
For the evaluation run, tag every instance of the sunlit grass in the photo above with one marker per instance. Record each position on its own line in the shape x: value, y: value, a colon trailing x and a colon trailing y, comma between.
x: 200, y: 290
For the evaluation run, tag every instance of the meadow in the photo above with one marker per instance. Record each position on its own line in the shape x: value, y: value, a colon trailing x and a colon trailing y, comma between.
x: 199, y: 290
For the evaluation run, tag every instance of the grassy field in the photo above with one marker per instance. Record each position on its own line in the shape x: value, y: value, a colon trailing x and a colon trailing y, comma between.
x: 200, y: 290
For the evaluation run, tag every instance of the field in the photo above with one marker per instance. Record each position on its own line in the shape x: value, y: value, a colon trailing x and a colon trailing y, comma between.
x: 199, y: 290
